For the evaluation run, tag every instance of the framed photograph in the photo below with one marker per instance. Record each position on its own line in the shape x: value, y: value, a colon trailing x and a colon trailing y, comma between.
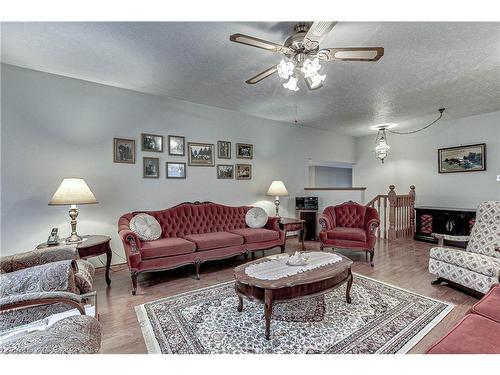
x: 201, y: 154
x: 243, y: 171
x: 469, y: 158
x: 176, y: 170
x: 224, y: 150
x: 151, y: 167
x: 176, y: 145
x: 225, y: 171
x: 151, y: 142
x: 123, y: 150
x: 244, y: 151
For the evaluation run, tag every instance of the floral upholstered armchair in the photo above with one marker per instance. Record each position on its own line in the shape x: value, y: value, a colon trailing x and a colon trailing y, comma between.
x: 76, y: 334
x: 478, y: 266
x: 349, y: 226
x: 39, y: 283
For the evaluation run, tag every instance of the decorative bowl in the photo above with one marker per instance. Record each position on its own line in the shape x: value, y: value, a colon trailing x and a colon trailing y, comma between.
x: 298, y: 259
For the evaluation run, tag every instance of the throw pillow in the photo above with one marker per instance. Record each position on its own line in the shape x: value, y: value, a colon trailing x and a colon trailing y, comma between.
x: 256, y: 217
x: 146, y: 227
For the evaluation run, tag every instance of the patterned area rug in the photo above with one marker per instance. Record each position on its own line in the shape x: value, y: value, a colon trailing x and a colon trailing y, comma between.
x: 381, y: 319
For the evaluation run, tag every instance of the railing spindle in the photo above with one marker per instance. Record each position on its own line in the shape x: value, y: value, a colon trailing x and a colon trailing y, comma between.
x: 399, y: 220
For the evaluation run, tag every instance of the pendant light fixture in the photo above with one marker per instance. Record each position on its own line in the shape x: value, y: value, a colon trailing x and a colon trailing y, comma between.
x: 382, y: 147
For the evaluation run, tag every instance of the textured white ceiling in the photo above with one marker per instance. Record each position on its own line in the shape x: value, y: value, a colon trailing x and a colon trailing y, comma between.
x: 426, y: 66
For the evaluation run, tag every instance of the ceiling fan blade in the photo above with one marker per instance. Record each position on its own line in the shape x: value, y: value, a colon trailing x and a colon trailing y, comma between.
x: 351, y: 54
x: 316, y: 33
x: 259, y: 77
x: 260, y: 43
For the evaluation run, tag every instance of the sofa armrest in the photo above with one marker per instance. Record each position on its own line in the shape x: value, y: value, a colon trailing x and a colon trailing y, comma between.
x: 325, y: 223
x: 442, y: 237
x: 37, y: 257
x: 132, y: 247
x: 273, y: 223
x: 371, y: 226
x: 33, y: 299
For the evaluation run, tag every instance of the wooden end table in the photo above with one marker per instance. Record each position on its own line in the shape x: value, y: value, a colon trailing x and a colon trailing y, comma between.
x: 309, y: 283
x: 91, y: 246
x: 288, y: 224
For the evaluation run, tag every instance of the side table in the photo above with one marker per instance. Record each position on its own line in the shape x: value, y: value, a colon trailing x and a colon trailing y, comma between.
x: 288, y: 224
x: 91, y: 246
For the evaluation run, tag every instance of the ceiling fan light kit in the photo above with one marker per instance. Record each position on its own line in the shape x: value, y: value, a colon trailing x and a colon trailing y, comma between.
x: 303, y: 55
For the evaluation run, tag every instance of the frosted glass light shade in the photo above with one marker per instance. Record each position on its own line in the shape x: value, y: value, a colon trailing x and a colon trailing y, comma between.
x: 277, y: 188
x: 72, y: 191
x: 291, y: 84
x: 285, y: 69
x: 310, y: 67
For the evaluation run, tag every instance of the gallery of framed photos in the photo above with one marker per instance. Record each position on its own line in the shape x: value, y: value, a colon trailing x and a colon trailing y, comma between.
x: 198, y: 154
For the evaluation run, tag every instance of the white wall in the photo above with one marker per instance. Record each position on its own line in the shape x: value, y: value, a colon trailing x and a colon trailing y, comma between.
x: 55, y: 127
x: 412, y: 159
x: 332, y: 177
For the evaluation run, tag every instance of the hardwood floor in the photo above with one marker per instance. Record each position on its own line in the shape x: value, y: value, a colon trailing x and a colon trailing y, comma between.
x: 402, y: 263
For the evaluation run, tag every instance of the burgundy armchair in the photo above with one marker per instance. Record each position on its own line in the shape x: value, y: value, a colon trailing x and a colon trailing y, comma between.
x: 349, y: 226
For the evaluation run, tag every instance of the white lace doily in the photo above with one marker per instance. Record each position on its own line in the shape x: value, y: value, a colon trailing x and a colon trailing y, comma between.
x: 274, y: 269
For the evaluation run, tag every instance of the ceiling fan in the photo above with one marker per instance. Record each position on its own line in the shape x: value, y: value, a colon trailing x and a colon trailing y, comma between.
x: 303, y: 55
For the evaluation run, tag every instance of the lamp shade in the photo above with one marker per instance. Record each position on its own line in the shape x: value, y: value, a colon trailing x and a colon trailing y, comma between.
x: 277, y: 188
x: 72, y: 191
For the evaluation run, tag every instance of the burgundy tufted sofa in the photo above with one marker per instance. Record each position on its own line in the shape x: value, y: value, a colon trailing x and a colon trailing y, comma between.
x: 349, y: 226
x: 193, y: 233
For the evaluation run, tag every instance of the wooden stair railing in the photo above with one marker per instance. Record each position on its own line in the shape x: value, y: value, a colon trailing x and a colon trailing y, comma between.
x: 396, y: 212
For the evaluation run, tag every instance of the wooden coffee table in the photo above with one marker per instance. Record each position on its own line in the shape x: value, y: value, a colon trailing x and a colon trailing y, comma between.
x: 314, y: 282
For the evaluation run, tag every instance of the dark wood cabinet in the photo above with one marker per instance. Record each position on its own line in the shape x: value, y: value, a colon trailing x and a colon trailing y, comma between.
x: 310, y: 223
x: 444, y: 220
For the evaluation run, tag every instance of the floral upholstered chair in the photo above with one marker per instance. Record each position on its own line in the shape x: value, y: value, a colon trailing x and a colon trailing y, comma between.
x: 39, y: 283
x: 478, y: 266
x: 76, y: 334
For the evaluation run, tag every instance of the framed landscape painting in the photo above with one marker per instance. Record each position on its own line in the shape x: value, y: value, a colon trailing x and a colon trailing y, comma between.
x: 152, y: 142
x: 201, y: 154
x: 469, y: 158
x: 123, y: 150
